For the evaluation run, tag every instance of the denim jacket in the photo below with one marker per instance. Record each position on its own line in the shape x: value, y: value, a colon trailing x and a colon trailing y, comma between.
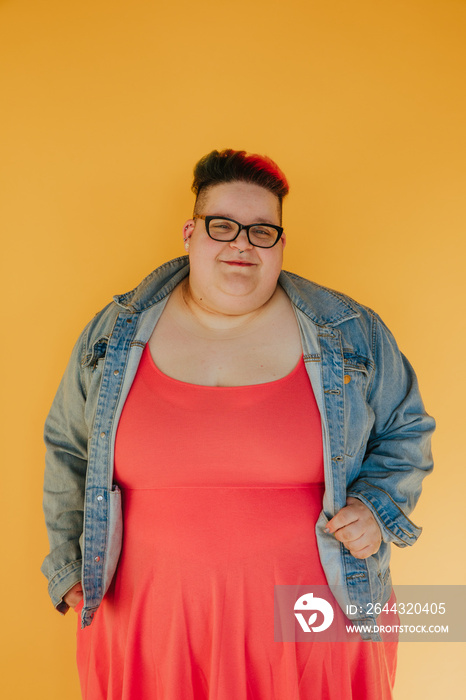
x: 376, y: 437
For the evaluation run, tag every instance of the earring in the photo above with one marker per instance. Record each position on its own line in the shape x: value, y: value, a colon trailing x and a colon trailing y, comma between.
x: 186, y: 245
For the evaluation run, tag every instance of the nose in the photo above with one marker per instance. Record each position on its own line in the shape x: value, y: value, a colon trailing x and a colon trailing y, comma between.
x: 241, y: 242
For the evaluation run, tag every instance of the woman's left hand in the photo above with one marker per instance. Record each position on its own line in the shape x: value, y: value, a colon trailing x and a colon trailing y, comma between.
x: 355, y: 526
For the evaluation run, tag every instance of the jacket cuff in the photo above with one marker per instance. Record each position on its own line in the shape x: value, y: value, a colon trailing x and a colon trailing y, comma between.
x: 62, y: 582
x: 395, y: 526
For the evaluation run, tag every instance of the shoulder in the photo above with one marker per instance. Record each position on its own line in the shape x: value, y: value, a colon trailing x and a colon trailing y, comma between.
x: 361, y: 328
x: 153, y: 289
x: 323, y: 305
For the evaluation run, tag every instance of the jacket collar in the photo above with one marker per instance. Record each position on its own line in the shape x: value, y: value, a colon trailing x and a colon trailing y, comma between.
x: 325, y: 307
x: 155, y: 287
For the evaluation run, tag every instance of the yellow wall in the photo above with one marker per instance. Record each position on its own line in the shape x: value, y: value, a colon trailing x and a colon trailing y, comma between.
x: 105, y: 108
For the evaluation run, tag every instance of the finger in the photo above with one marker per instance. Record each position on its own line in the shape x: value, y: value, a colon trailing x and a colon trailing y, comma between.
x: 364, y: 553
x: 344, y: 517
x: 75, y: 600
x: 365, y: 549
x: 364, y: 546
x: 350, y: 533
x: 72, y: 598
x: 77, y: 588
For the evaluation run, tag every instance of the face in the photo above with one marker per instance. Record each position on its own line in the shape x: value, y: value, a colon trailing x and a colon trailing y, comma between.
x: 222, y: 279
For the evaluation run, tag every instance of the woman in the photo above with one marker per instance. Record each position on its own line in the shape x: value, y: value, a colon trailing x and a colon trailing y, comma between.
x: 247, y: 429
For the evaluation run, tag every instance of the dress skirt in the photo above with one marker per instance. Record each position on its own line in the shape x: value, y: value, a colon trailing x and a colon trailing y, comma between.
x: 221, y: 491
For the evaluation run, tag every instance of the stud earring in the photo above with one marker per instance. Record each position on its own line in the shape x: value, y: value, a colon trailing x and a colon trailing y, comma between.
x: 186, y: 245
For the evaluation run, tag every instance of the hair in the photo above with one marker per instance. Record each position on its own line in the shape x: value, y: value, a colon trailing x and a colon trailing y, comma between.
x: 231, y: 166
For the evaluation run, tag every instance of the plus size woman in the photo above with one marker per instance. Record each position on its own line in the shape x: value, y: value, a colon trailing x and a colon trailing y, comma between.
x: 225, y: 428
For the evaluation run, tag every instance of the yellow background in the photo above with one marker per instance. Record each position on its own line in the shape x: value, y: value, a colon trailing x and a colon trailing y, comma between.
x: 107, y: 105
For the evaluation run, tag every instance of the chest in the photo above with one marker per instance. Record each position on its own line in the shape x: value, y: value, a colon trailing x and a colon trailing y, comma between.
x: 262, y: 353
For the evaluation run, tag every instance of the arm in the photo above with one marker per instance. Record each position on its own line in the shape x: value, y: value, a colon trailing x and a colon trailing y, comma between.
x: 397, y: 457
x: 66, y: 438
x: 398, y: 454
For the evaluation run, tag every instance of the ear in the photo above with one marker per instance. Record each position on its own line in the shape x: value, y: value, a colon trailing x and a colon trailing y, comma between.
x: 283, y: 240
x: 187, y: 232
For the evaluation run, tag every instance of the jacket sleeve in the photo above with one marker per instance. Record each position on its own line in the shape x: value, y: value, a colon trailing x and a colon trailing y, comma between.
x: 398, y: 454
x: 66, y: 438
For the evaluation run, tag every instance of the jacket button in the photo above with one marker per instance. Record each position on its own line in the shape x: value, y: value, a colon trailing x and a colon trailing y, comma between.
x: 97, y: 559
x: 116, y: 372
x: 347, y: 378
x: 102, y: 434
x: 100, y: 497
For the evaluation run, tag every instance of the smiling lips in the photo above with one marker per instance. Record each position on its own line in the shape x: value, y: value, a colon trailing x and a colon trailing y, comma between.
x: 238, y: 263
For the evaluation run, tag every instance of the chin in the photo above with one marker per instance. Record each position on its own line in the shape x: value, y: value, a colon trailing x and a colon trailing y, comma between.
x: 243, y: 300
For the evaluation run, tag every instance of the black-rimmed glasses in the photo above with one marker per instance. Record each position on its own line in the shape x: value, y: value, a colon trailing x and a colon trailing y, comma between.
x: 226, y: 230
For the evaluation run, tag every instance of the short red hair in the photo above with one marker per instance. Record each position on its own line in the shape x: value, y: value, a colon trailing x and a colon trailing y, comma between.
x: 229, y: 166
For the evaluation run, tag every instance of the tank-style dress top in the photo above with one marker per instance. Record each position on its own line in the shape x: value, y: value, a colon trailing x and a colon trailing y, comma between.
x: 221, y: 491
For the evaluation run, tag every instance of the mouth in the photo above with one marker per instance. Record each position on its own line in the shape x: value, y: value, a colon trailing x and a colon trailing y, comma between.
x: 238, y: 263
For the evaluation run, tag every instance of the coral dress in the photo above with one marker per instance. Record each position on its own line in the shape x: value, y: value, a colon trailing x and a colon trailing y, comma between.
x: 221, y: 490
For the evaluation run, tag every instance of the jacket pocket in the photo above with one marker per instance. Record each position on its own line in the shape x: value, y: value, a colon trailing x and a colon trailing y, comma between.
x: 114, y: 537
x: 93, y: 365
x: 97, y: 352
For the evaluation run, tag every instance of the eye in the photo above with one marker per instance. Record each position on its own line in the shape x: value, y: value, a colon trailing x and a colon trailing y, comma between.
x: 222, y: 227
x: 263, y: 232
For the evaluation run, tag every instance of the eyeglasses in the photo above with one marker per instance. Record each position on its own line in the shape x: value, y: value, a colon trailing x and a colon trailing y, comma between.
x: 227, y: 230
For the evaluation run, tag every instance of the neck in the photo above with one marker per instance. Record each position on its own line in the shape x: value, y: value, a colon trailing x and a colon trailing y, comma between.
x: 216, y: 320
